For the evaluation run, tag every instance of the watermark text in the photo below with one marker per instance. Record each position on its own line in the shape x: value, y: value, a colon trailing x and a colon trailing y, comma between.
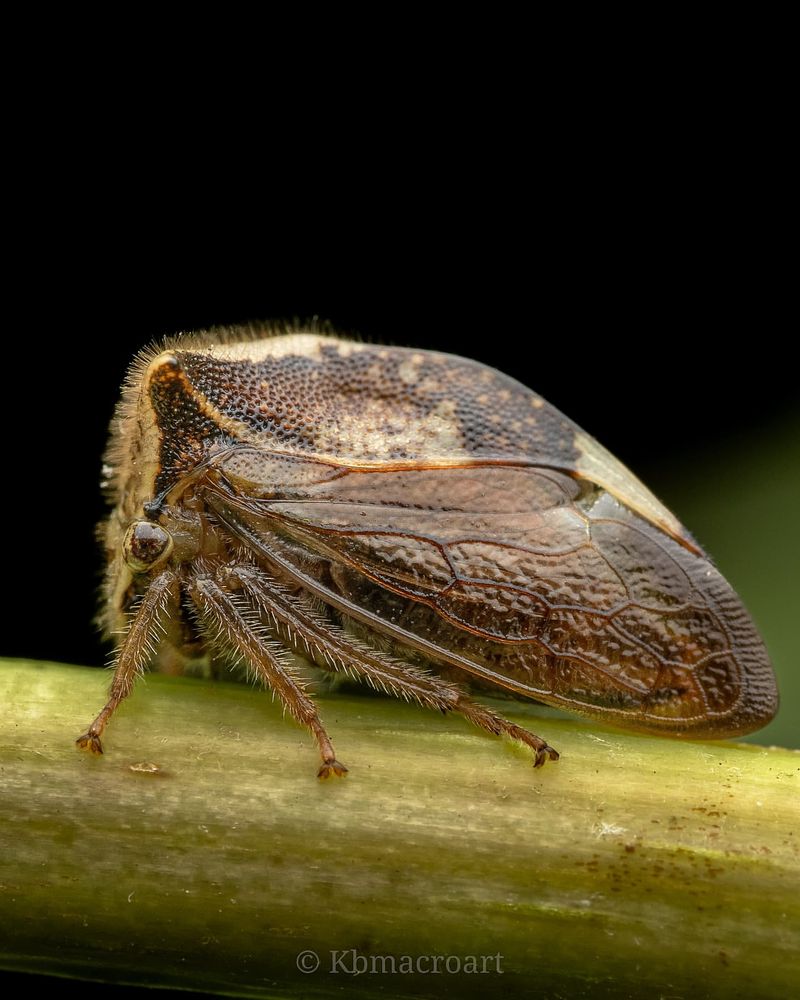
x: 351, y: 962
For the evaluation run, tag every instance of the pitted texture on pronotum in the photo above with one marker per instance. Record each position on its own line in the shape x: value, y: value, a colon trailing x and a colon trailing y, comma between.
x: 357, y: 402
x: 346, y: 498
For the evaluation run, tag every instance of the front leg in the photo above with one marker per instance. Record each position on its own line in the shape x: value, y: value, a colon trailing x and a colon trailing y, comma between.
x: 136, y: 649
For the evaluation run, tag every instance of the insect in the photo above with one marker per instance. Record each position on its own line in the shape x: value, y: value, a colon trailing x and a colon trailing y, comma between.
x: 418, y: 521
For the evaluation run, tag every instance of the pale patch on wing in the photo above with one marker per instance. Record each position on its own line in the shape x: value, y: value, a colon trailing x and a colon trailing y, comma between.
x: 365, y: 435
x: 599, y: 466
x: 305, y: 345
x: 410, y: 368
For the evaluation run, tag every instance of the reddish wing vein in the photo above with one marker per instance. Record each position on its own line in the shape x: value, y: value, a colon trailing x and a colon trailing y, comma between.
x: 583, y: 594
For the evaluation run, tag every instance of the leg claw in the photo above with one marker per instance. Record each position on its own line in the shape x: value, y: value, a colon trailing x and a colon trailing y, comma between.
x: 90, y: 742
x: 543, y: 754
x: 331, y: 767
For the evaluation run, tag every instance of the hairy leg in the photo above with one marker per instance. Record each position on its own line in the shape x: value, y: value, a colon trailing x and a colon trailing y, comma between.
x: 242, y: 633
x: 484, y: 717
x: 342, y: 652
x: 136, y: 649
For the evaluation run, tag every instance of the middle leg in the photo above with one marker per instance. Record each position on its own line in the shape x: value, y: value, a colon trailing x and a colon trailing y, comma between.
x: 221, y: 607
x: 339, y: 650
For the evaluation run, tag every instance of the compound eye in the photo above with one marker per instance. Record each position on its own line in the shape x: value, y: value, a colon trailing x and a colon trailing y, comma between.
x: 145, y: 545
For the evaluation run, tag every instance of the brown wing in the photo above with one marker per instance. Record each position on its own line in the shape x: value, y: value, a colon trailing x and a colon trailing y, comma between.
x: 546, y: 584
x: 360, y: 406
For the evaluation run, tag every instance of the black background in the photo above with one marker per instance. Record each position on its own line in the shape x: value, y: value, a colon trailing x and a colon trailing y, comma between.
x: 649, y: 304
x: 657, y: 338
x: 606, y: 225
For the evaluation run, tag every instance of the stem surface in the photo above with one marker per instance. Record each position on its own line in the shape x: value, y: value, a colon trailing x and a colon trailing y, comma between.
x: 634, y: 866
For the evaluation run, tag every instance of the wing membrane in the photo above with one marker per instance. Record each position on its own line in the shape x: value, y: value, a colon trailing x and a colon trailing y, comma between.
x: 551, y: 585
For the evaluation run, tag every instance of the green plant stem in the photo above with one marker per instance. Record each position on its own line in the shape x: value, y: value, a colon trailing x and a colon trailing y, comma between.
x: 633, y: 866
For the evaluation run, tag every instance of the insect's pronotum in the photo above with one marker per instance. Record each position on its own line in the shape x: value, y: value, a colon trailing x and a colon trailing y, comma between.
x: 419, y: 521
